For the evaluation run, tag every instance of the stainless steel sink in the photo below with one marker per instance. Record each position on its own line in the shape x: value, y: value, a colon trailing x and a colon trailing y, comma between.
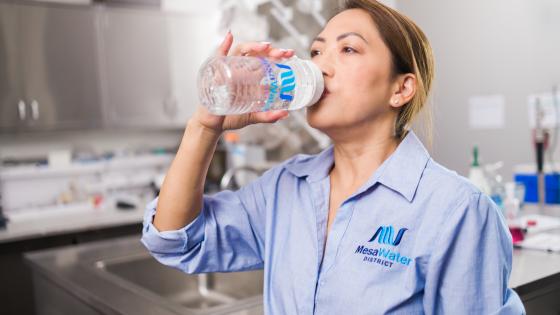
x: 120, y: 277
x: 196, y: 292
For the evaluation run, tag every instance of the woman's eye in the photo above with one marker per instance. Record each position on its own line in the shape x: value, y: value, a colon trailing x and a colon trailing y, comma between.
x: 314, y: 53
x: 348, y: 50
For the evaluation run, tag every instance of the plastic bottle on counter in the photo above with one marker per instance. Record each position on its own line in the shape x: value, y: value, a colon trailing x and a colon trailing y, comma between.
x: 236, y: 85
x: 512, y: 205
x: 476, y: 174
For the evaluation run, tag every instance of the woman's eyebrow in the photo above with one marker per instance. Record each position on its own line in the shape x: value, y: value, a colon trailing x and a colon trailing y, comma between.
x: 340, y: 37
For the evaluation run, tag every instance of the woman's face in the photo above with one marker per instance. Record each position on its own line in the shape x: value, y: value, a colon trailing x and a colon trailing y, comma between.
x: 356, y: 66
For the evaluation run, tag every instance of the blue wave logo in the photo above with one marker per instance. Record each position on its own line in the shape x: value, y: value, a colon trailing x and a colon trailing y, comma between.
x: 384, y: 235
x: 288, y: 83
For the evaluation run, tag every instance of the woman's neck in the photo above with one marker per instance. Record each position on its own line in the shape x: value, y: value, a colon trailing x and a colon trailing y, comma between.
x: 355, y: 159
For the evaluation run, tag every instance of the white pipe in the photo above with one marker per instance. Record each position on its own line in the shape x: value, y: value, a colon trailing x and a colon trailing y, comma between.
x: 317, y: 6
x: 302, y: 39
x: 319, y: 18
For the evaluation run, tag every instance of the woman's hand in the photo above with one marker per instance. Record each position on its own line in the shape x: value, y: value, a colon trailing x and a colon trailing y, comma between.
x: 218, y: 124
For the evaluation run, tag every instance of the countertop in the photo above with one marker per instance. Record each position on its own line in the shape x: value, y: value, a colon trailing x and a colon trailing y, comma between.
x: 533, y: 270
x: 67, y: 221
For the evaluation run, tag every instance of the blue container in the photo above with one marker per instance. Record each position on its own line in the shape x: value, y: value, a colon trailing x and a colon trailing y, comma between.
x: 551, y: 184
x: 530, y: 182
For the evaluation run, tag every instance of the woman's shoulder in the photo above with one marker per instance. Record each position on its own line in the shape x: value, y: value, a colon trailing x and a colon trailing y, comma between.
x: 450, y: 195
x: 449, y: 190
x: 442, y: 179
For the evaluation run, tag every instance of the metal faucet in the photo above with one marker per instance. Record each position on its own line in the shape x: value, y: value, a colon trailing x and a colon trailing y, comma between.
x: 228, y: 175
x: 3, y: 219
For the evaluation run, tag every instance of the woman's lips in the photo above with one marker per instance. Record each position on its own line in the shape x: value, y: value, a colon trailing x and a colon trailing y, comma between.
x: 325, y: 93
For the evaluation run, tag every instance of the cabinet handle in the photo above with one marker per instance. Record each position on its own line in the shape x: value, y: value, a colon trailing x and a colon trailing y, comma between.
x: 21, y: 110
x: 35, y: 110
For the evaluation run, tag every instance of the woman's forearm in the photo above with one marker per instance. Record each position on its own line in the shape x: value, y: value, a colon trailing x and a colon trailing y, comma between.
x: 180, y: 198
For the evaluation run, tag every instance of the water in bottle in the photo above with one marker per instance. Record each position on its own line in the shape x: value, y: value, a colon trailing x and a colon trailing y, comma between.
x: 236, y: 85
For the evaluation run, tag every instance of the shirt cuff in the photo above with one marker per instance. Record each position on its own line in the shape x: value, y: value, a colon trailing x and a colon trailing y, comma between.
x: 174, y: 241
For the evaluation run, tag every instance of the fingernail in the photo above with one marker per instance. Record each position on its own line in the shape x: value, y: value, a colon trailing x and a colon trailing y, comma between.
x: 225, y: 37
x: 228, y: 33
x: 265, y: 43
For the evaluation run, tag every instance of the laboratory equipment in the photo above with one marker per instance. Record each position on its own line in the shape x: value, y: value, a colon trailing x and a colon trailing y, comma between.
x: 540, y: 139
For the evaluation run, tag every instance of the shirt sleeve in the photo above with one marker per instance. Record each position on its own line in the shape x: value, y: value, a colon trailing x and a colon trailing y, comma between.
x: 470, y: 265
x: 227, y: 235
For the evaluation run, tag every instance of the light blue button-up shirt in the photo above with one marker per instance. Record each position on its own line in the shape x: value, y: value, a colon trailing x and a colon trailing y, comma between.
x: 415, y: 238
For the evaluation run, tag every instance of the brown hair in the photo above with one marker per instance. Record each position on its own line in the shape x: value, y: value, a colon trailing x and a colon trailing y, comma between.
x: 411, y: 53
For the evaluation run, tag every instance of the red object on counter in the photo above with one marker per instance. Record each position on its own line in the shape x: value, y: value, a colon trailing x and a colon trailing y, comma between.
x: 517, y: 234
x: 97, y: 200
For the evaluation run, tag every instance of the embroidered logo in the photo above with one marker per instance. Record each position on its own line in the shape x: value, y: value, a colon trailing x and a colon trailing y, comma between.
x: 384, y: 235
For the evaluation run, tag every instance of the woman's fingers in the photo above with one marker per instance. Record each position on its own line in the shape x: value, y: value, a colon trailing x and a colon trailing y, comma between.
x: 251, y: 48
x: 268, y: 116
x: 263, y: 49
x: 278, y: 53
x: 225, y: 45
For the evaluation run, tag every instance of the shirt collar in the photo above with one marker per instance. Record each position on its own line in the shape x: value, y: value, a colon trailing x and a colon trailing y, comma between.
x: 405, y: 166
x: 315, y: 167
x: 400, y: 172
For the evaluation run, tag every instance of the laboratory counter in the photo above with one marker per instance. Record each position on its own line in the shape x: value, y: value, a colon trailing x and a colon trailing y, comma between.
x: 536, y: 273
x: 50, y: 229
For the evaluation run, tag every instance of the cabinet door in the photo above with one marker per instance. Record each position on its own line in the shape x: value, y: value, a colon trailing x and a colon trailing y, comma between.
x: 60, y: 66
x: 12, y: 106
x: 136, y: 68
x: 192, y: 39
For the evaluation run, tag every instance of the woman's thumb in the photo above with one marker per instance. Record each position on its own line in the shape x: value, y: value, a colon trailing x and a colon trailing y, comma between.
x: 268, y: 116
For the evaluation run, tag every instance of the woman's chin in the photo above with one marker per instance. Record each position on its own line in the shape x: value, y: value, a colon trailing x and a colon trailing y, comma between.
x: 319, y: 118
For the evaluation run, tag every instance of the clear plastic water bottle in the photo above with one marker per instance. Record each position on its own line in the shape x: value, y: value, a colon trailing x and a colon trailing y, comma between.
x: 236, y: 85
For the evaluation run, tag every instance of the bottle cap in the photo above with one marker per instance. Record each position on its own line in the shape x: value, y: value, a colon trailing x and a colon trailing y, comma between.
x: 319, y: 81
x: 315, y: 76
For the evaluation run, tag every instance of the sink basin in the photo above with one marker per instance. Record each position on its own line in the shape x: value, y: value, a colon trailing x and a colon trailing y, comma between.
x: 120, y: 277
x: 196, y: 292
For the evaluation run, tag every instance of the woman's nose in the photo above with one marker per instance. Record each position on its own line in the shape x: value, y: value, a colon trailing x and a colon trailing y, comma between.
x: 325, y: 66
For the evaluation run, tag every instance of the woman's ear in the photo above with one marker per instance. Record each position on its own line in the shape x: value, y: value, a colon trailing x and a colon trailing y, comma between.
x: 404, y: 90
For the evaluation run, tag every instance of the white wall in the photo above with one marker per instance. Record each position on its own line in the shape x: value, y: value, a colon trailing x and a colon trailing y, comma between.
x: 485, y: 47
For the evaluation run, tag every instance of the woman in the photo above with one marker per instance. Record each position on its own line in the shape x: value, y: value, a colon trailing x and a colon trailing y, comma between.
x: 371, y: 225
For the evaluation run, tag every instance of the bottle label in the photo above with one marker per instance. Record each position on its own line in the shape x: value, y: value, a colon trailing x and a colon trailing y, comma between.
x: 283, y: 89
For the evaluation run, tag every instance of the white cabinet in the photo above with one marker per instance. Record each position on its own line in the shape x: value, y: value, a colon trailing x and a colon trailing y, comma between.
x: 192, y: 40
x: 12, y: 106
x: 136, y: 67
x: 60, y: 66
x: 151, y: 60
x: 76, y: 66
x: 52, y: 78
